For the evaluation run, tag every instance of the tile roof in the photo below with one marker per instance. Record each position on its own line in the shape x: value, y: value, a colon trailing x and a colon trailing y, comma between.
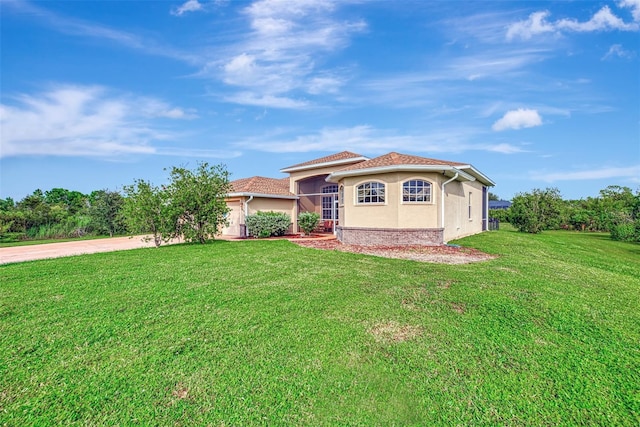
x: 397, y: 159
x: 343, y: 155
x: 262, y: 185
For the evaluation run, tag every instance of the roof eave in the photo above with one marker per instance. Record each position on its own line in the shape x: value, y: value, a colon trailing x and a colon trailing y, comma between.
x: 479, y: 175
x: 265, y: 195
x: 324, y: 164
x: 445, y: 169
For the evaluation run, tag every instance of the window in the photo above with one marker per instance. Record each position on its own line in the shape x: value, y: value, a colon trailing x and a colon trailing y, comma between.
x: 416, y: 190
x: 370, y: 192
x: 341, y: 195
x: 328, y: 202
x: 470, y: 204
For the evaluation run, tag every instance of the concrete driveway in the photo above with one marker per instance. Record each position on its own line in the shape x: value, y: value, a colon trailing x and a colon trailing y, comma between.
x: 78, y: 247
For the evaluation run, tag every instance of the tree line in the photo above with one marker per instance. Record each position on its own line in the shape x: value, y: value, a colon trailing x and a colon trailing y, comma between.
x: 191, y: 206
x: 615, y: 210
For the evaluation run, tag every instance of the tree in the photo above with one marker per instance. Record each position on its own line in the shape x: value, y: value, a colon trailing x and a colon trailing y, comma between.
x: 72, y: 201
x: 537, y: 211
x: 105, y: 212
x: 197, y: 201
x: 493, y: 197
x: 146, y: 209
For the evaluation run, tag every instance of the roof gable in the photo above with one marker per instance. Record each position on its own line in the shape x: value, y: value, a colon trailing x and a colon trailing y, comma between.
x: 343, y: 157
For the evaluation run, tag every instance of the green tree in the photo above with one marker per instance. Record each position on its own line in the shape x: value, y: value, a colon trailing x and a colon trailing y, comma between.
x: 197, y: 201
x: 537, y: 211
x: 493, y: 197
x: 105, y: 212
x: 146, y: 209
x: 72, y: 201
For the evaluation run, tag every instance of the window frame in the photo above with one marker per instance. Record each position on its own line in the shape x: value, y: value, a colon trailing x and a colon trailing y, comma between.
x: 416, y: 202
x: 378, y: 196
x: 329, y: 195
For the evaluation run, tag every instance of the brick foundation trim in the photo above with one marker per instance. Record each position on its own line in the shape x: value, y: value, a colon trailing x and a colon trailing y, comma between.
x: 390, y: 236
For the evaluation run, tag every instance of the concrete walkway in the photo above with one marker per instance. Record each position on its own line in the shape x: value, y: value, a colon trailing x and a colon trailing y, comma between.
x: 79, y: 247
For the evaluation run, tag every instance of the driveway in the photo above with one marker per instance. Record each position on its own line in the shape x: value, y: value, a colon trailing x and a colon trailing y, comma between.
x: 78, y: 247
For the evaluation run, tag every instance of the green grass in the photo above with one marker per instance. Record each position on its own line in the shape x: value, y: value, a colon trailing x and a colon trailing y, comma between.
x: 269, y: 333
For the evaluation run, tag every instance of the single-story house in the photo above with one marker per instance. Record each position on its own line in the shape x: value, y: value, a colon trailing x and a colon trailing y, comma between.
x: 393, y: 199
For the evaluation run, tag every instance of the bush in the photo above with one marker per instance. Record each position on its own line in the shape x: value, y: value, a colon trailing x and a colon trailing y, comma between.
x: 308, y: 221
x: 267, y: 224
x: 501, y: 215
x: 627, y: 232
x: 537, y: 211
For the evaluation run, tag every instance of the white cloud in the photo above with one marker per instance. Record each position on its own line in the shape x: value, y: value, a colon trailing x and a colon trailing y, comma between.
x: 618, y: 51
x: 603, y: 20
x: 634, y: 5
x: 367, y: 139
x: 249, y: 98
x: 631, y: 172
x: 188, y: 6
x: 280, y: 53
x: 85, y: 121
x: 534, y: 25
x: 518, y: 119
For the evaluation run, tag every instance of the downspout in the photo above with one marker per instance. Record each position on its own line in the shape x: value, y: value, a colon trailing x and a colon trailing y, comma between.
x: 245, y: 234
x: 246, y: 207
x: 442, y: 204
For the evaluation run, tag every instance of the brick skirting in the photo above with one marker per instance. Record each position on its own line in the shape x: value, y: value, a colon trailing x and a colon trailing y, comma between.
x: 390, y: 236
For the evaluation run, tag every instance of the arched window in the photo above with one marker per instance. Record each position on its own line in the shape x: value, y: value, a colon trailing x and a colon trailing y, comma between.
x: 328, y: 208
x: 416, y: 191
x: 370, y: 192
x: 341, y: 195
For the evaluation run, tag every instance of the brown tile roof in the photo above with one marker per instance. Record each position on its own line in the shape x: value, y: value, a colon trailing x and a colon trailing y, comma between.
x: 397, y: 159
x: 343, y: 155
x: 262, y: 185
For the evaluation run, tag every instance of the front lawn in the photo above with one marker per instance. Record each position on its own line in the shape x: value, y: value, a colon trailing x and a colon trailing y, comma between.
x: 269, y: 333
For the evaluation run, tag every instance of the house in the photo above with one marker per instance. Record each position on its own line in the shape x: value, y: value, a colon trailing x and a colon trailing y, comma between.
x: 393, y: 199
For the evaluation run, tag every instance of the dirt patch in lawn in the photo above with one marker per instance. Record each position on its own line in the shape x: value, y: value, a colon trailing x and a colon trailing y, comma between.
x: 437, y: 254
x: 394, y: 332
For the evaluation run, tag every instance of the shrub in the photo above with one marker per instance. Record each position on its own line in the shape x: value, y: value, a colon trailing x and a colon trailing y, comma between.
x: 308, y: 221
x: 627, y: 231
x: 267, y: 224
x: 501, y: 215
x: 537, y: 211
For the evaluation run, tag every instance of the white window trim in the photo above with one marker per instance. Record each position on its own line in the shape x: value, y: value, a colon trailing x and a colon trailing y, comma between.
x: 355, y: 193
x: 430, y: 202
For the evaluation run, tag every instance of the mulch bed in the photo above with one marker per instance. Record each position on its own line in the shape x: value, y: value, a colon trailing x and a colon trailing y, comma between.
x: 437, y: 254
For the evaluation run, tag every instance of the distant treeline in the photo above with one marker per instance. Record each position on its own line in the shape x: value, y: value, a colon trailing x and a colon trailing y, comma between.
x: 616, y: 210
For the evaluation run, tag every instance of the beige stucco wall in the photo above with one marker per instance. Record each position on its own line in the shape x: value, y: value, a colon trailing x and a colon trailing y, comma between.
x: 396, y: 214
x: 265, y: 204
x: 457, y: 221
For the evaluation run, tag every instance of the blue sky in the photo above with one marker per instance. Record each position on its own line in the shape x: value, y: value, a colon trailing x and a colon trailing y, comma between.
x: 95, y: 94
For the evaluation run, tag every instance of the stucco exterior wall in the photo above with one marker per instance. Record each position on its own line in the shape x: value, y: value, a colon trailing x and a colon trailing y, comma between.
x: 408, y: 219
x: 458, y: 196
x: 394, y: 213
x: 265, y: 204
